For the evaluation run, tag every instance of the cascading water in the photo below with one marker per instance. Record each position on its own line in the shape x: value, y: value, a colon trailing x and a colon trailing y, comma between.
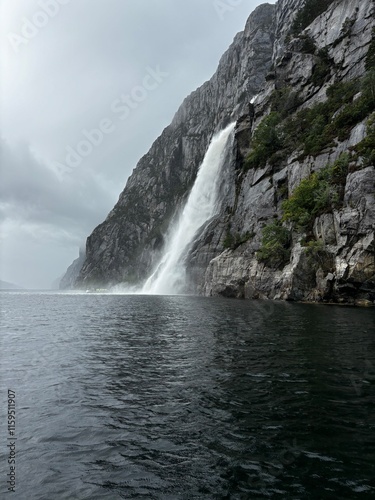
x: 169, y: 275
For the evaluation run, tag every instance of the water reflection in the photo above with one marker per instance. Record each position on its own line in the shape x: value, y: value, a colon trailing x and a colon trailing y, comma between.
x: 252, y: 396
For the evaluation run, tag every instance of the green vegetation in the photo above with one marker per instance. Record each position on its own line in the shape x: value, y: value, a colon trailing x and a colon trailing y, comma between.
x: 366, y: 148
x: 357, y: 110
x: 324, y: 63
x: 310, y: 11
x: 284, y: 101
x: 321, y: 192
x: 314, y: 129
x: 314, y: 247
x: 347, y: 27
x: 234, y: 241
x: 370, y: 58
x: 265, y: 142
x: 316, y: 252
x: 317, y: 194
x: 308, y: 45
x: 275, y: 249
x: 311, y: 130
x: 369, y: 85
x: 282, y: 190
x: 322, y: 69
x: 346, y: 30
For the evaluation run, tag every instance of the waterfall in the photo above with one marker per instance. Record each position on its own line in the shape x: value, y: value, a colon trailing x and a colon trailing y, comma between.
x: 169, y: 275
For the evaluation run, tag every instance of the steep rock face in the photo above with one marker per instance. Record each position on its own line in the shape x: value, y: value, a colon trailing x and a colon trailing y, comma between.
x: 67, y: 282
x: 125, y: 246
x: 285, y: 12
x: 343, y: 267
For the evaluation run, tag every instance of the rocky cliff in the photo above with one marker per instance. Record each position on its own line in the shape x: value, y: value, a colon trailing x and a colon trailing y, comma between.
x: 318, y: 83
x: 68, y: 281
x: 297, y: 210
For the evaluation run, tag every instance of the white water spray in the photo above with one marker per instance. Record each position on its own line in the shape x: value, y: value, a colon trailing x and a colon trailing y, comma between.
x: 169, y: 275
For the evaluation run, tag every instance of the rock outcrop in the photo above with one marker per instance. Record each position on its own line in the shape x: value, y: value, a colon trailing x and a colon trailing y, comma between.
x: 68, y: 281
x: 291, y: 69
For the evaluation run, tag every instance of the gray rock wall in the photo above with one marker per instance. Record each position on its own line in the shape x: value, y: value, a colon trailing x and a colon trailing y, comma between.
x: 345, y: 271
x: 67, y: 282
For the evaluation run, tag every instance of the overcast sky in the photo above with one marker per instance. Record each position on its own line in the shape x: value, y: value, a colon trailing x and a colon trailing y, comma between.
x: 86, y: 87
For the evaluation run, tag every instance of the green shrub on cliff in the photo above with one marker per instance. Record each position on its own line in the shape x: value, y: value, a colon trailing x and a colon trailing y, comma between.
x: 317, y: 194
x: 310, y: 11
x: 316, y: 128
x: 370, y: 58
x: 366, y: 148
x: 265, y: 142
x: 275, y: 248
x: 234, y: 241
x: 322, y: 68
x: 312, y: 130
x: 300, y: 208
x: 285, y: 101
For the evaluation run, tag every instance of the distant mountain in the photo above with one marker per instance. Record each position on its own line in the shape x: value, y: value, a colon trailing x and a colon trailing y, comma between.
x: 4, y: 285
x: 55, y: 285
x: 69, y: 278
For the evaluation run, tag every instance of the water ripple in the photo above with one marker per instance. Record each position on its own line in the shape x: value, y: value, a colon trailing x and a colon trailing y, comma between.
x: 182, y: 398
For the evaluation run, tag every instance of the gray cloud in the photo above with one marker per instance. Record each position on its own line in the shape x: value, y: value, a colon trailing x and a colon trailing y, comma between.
x: 34, y: 192
x: 44, y: 216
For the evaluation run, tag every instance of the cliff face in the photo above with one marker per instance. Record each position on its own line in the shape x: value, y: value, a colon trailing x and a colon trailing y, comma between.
x: 332, y: 256
x: 297, y: 207
x: 124, y: 247
x: 68, y: 281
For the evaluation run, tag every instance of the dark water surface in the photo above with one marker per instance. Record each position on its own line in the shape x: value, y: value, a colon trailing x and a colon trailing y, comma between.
x: 183, y: 398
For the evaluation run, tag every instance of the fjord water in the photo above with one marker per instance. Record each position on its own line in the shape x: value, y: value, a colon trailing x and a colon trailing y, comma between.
x: 169, y: 275
x: 175, y: 397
